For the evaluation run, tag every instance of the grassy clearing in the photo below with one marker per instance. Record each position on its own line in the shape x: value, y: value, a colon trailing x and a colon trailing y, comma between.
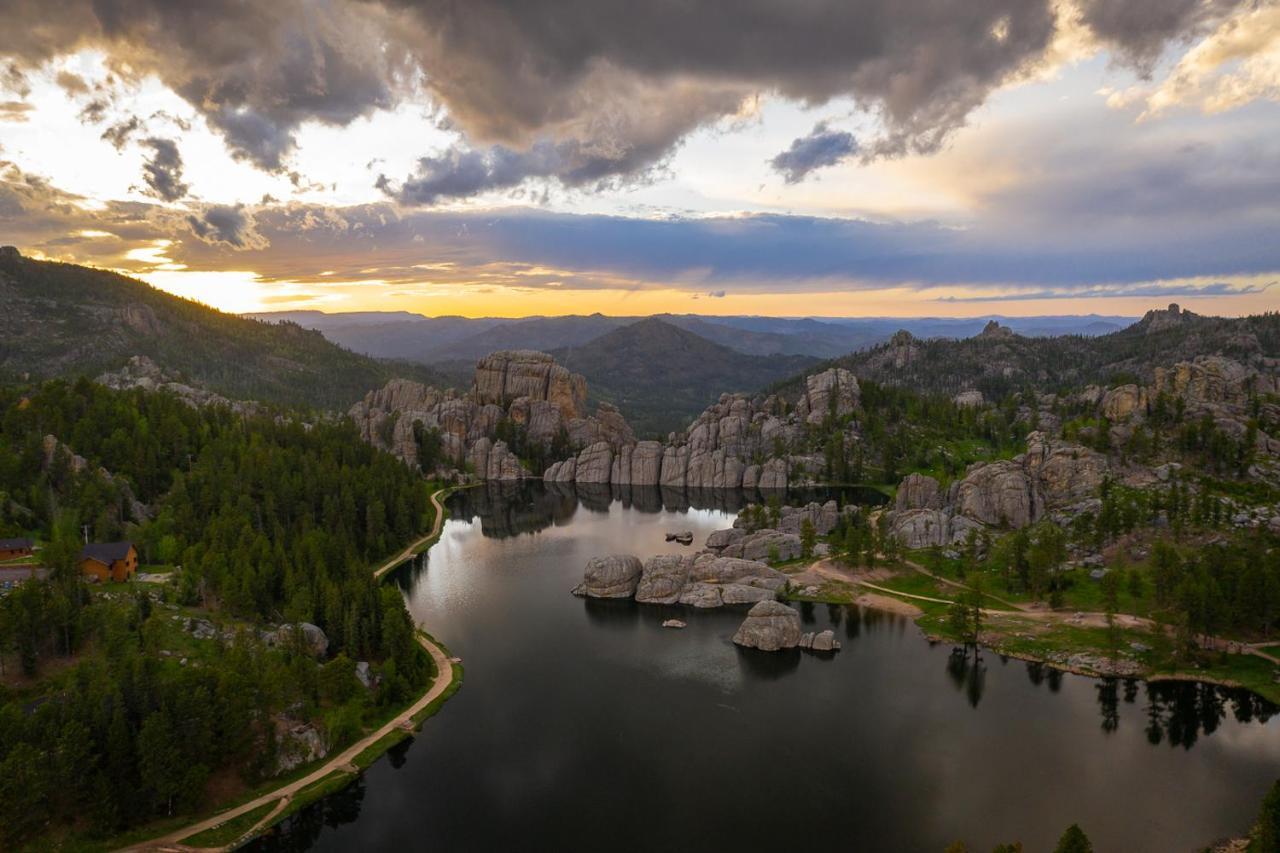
x: 221, y: 836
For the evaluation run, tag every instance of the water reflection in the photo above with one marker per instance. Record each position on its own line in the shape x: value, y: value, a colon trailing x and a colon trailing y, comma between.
x: 968, y: 672
x: 302, y: 830
x: 585, y: 724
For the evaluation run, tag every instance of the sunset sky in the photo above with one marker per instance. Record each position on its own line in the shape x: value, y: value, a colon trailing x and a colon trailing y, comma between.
x: 825, y: 157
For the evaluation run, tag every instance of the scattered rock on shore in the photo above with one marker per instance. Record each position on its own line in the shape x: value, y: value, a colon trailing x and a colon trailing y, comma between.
x: 674, y: 623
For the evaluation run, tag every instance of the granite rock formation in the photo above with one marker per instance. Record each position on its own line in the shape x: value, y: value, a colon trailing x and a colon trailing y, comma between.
x: 770, y: 626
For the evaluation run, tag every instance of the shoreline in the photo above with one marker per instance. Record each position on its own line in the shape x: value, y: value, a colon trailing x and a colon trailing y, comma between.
x: 335, y: 773
x: 879, y: 600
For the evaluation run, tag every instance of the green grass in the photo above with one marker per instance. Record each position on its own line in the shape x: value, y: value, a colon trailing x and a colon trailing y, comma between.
x: 221, y: 836
x: 318, y: 790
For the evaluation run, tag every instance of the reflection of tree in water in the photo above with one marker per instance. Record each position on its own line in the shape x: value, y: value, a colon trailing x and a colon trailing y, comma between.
x: 1179, y: 712
x: 968, y: 673
x: 1109, y: 703
x: 301, y: 831
x: 509, y: 509
x: 806, y: 612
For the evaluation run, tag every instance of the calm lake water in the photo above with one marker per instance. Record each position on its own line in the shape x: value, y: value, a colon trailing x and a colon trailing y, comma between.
x: 585, y: 725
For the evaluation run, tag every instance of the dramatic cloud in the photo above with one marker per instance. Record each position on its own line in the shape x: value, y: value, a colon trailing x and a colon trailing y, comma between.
x: 822, y: 147
x: 231, y: 225
x: 1140, y: 29
x: 121, y: 132
x: 163, y: 170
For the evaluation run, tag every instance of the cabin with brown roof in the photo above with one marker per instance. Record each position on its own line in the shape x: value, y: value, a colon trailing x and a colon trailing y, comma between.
x: 13, y: 548
x: 109, y: 561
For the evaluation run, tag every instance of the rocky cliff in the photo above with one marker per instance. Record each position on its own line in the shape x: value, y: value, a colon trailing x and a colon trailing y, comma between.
x: 739, y: 442
x: 525, y: 390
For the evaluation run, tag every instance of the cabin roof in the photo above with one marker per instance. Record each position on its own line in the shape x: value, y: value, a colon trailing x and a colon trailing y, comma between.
x: 106, y: 552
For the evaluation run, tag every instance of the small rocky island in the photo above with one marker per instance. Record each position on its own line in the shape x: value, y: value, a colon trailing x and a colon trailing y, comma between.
x: 730, y: 570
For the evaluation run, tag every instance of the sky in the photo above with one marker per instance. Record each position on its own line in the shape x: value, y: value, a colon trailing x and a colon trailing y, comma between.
x: 491, y: 158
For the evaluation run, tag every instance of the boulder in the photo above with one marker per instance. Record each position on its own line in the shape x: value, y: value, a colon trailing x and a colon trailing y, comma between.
x: 769, y: 626
x: 674, y: 623
x: 663, y: 578
x: 1120, y: 404
x: 761, y: 544
x: 825, y: 641
x: 615, y: 576
x: 721, y: 539
x: 313, y: 638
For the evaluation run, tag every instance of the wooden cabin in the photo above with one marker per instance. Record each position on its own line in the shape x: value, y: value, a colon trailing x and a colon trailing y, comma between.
x: 13, y: 548
x: 109, y: 561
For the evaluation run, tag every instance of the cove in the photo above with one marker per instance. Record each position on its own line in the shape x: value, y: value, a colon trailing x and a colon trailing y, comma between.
x: 585, y: 725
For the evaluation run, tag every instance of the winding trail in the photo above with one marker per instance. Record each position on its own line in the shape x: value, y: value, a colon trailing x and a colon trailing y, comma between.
x: 344, y: 760
x: 416, y: 545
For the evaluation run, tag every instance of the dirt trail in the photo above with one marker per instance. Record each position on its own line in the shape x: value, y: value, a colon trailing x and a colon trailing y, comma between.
x: 344, y: 760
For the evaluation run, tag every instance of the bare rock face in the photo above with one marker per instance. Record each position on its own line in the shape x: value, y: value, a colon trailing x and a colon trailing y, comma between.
x: 1119, y: 404
x: 721, y: 539
x: 765, y: 544
x: 646, y: 463
x: 595, y: 463
x: 969, y: 399
x: 615, y: 576
x: 833, y: 391
x: 918, y: 491
x: 774, y: 474
x: 921, y: 528
x: 495, y: 461
x: 770, y: 626
x: 1066, y: 473
x: 664, y: 578
x: 502, y: 377
x: 998, y: 494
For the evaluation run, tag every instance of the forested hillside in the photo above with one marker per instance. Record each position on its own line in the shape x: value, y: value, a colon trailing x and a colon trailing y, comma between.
x: 265, y: 523
x: 68, y: 320
x: 662, y: 376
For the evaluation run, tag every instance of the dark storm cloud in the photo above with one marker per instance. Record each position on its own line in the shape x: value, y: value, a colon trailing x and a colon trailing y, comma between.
x: 257, y: 70
x: 574, y: 90
x: 231, y: 225
x: 822, y: 147
x: 121, y: 132
x: 1140, y: 29
x: 163, y: 170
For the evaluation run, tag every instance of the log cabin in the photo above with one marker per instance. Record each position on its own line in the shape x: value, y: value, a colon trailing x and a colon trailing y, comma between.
x: 109, y: 561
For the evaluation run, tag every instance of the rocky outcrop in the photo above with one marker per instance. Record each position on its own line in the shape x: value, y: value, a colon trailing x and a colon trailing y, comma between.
x: 770, y: 626
x: 1013, y: 493
x: 141, y: 372
x: 616, y: 576
x: 832, y: 393
x: 526, y: 390
x: 595, y: 463
x: 701, y: 580
x: 970, y: 399
x: 311, y: 637
x: 664, y: 578
x: 918, y: 491
x: 501, y: 378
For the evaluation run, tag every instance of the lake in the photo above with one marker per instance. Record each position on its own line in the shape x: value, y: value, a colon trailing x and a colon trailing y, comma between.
x: 585, y: 725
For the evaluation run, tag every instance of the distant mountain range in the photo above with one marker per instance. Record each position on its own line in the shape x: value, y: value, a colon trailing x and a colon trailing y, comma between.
x: 999, y: 360
x: 434, y: 340
x: 68, y: 320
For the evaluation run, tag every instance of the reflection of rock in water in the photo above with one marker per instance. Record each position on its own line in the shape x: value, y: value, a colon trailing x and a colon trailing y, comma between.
x: 509, y: 509
x: 769, y: 666
x: 301, y: 831
x: 612, y: 612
